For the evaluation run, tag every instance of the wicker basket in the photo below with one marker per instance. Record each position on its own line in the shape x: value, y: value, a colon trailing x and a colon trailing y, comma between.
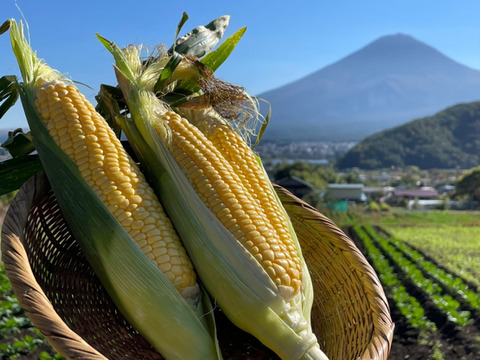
x: 64, y: 299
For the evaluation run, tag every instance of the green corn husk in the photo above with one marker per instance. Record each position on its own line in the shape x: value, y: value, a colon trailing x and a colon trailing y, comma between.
x: 235, y: 280
x: 140, y: 290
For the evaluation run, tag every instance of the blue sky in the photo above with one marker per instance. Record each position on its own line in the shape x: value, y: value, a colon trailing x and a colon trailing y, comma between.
x: 285, y: 40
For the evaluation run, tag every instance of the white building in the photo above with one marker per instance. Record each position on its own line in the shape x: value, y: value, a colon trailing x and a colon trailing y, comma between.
x: 349, y: 192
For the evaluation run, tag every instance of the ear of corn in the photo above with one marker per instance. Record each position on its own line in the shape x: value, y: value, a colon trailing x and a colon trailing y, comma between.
x: 104, y: 164
x: 249, y: 212
x: 230, y: 236
x: 99, y: 189
x: 255, y: 181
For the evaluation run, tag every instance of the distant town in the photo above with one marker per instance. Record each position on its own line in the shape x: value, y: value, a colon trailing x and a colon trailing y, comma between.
x: 322, y: 151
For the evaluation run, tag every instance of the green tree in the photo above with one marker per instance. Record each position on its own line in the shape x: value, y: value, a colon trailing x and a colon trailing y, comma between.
x: 468, y: 184
x: 318, y: 176
x: 351, y: 178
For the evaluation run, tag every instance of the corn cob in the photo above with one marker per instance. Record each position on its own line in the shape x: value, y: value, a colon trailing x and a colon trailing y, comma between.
x: 246, y: 165
x: 99, y: 188
x: 105, y: 165
x: 244, y: 209
x: 268, y: 295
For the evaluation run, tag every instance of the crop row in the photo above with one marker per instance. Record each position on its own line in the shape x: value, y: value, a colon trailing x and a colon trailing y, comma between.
x: 407, y: 304
x: 452, y: 282
x: 433, y: 289
x: 454, y: 247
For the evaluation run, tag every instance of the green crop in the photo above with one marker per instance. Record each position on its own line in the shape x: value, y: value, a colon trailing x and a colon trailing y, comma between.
x: 443, y: 301
x: 18, y: 337
x: 455, y: 284
x: 407, y: 304
x: 455, y: 247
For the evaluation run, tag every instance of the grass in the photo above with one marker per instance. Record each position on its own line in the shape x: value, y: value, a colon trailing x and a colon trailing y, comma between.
x: 401, y: 218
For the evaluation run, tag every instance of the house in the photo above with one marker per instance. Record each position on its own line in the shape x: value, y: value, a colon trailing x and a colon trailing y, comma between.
x: 296, y: 186
x: 442, y: 204
x: 348, y: 192
x: 423, y: 194
x: 401, y: 197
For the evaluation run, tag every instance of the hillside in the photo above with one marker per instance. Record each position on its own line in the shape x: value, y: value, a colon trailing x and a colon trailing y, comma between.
x: 390, y: 81
x: 449, y: 139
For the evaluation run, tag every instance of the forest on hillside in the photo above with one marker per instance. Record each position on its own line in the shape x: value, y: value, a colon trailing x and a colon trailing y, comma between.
x: 449, y: 139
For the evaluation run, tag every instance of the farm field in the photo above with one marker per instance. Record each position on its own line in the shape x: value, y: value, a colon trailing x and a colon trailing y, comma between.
x: 450, y: 238
x: 426, y: 262
x: 456, y: 247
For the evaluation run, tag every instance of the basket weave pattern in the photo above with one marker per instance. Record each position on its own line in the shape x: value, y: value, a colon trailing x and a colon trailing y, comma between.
x: 67, y: 280
x: 65, y: 300
x: 351, y: 316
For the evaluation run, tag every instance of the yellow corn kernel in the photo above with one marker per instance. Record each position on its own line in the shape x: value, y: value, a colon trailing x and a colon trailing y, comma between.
x: 102, y: 160
x: 234, y: 203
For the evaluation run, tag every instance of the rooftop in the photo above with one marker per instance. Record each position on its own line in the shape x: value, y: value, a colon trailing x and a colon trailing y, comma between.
x: 416, y: 193
x: 345, y: 186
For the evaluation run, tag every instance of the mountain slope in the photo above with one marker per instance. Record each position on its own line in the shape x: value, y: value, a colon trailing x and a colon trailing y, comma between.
x: 449, y: 139
x: 388, y: 82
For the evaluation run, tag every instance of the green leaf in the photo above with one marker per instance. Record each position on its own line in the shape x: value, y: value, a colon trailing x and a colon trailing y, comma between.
x: 108, y: 44
x: 19, y: 345
x: 18, y: 143
x: 216, y: 58
x: 114, y: 49
x: 45, y: 356
x: 8, y: 93
x: 167, y: 72
x: 15, y: 172
x: 28, y: 339
x: 109, y: 100
x: 182, y: 22
x: 202, y: 39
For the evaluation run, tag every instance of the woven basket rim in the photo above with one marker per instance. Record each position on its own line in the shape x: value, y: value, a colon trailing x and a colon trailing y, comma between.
x: 383, y: 326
